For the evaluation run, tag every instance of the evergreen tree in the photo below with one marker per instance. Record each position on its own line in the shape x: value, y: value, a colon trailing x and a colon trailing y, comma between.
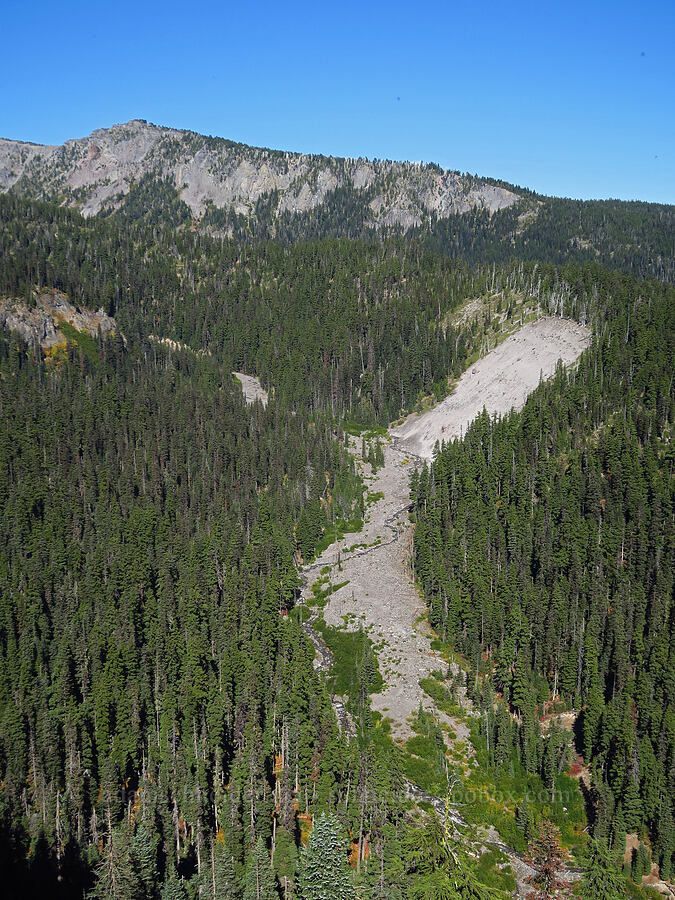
x: 285, y: 858
x: 643, y: 862
x: 547, y: 859
x: 260, y: 882
x: 174, y: 889
x: 116, y: 877
x: 323, y: 873
x: 666, y: 832
x: 219, y: 880
x: 144, y: 857
x: 524, y: 820
x: 441, y: 867
x: 602, y: 879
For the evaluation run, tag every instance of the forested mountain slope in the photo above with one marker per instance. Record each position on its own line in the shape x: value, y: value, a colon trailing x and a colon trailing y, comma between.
x: 544, y: 543
x: 632, y: 237
x: 355, y: 326
x: 141, y: 171
x: 162, y: 728
x: 156, y: 690
x: 147, y: 564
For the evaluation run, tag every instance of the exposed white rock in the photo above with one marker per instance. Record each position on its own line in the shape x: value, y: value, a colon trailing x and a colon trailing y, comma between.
x: 499, y: 382
x: 251, y: 388
x: 98, y: 170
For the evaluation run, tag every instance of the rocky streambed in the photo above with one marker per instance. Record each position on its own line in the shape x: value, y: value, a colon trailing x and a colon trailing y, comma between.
x: 374, y: 583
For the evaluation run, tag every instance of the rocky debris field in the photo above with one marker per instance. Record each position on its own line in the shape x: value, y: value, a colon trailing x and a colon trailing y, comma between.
x: 251, y: 388
x: 380, y: 595
x: 499, y: 382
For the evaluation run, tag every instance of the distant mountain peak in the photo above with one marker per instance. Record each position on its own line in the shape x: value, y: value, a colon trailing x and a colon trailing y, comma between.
x: 96, y: 173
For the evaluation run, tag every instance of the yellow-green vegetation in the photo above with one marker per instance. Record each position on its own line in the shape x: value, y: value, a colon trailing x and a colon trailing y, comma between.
x: 641, y: 892
x: 322, y: 589
x: 515, y: 801
x: 506, y: 797
x: 354, y: 672
x: 81, y: 339
x: 367, y: 432
x: 425, y: 759
x: 447, y: 652
x: 362, y: 546
x: 494, y: 871
x: 336, y: 532
x: 56, y: 354
x: 443, y: 698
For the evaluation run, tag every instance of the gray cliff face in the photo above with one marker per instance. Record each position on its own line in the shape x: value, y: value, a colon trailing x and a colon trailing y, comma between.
x: 96, y: 173
x: 39, y: 324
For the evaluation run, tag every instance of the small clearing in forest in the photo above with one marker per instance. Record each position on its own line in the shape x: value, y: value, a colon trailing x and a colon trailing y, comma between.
x: 251, y: 388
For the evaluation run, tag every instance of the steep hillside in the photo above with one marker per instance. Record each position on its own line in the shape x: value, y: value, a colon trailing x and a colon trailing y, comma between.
x: 98, y: 172
x: 143, y: 172
x: 45, y: 316
x: 172, y: 555
x: 544, y: 544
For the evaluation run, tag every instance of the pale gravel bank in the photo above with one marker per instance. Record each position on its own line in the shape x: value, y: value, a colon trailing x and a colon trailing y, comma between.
x: 251, y: 388
x: 380, y: 594
x: 499, y: 382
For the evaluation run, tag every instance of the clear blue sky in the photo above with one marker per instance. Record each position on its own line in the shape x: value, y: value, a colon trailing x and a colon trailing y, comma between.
x: 568, y: 98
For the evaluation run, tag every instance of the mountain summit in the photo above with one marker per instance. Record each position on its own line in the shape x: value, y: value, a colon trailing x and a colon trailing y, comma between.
x: 98, y: 173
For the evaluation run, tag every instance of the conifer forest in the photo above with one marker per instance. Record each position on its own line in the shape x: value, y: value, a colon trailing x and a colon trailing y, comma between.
x: 166, y: 732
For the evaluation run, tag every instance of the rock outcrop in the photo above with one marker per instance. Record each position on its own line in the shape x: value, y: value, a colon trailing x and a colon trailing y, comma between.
x: 97, y: 172
x: 41, y: 323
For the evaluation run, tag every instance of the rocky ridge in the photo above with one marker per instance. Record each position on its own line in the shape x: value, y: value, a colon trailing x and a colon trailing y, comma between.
x: 96, y: 173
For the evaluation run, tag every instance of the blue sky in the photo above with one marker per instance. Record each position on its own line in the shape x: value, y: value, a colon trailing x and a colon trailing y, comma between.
x: 568, y: 98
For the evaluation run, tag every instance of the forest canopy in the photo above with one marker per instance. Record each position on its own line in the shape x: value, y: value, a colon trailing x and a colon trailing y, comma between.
x: 163, y: 731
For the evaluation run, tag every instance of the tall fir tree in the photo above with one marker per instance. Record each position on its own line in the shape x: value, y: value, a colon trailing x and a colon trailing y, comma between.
x: 174, y: 889
x: 260, y: 882
x: 547, y: 859
x: 144, y: 857
x: 323, y: 872
x: 602, y: 879
x: 219, y: 879
x: 116, y: 875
